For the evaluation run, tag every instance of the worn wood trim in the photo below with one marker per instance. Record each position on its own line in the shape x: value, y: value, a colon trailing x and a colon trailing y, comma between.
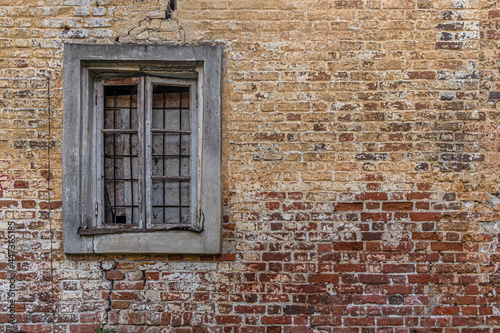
x: 194, y: 143
x: 124, y: 131
x: 155, y: 130
x: 128, y: 229
x: 79, y: 191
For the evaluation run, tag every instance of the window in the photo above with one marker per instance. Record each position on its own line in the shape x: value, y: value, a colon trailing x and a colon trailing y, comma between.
x: 147, y: 132
x: 142, y: 149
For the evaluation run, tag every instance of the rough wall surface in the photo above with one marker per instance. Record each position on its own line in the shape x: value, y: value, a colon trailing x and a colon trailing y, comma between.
x: 361, y: 157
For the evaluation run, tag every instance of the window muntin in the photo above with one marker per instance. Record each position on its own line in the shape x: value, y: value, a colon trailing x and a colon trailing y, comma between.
x: 148, y: 133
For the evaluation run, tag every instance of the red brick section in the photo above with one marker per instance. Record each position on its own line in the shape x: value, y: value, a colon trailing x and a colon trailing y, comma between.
x: 361, y: 170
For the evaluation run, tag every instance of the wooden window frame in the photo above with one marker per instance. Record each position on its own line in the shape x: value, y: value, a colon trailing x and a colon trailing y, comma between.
x: 98, y: 111
x: 83, y: 70
x: 196, y: 222
x: 144, y: 109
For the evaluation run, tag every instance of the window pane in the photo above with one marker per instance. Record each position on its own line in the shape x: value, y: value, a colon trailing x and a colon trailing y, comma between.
x: 171, y: 154
x: 121, y: 155
x: 120, y: 107
x: 171, y: 201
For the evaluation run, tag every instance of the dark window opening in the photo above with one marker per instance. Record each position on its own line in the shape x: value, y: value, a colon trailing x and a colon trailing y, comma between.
x: 129, y: 159
x: 172, y: 6
x: 171, y: 154
x: 121, y: 155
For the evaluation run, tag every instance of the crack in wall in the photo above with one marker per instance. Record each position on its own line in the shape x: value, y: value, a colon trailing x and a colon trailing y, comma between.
x: 433, y: 302
x: 105, y: 270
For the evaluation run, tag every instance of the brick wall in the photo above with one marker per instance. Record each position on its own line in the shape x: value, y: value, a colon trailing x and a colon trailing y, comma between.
x: 361, y: 157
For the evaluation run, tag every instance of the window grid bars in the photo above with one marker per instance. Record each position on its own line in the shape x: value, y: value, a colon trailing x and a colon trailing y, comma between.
x: 114, y: 159
x: 163, y: 161
x: 184, y: 161
x: 180, y: 158
x: 180, y: 179
x: 130, y: 160
x: 113, y: 207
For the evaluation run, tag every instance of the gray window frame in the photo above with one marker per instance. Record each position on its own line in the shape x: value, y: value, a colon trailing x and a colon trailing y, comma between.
x: 196, y: 218
x: 80, y: 146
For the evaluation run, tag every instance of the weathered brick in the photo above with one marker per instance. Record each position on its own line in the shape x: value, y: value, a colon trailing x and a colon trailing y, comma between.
x: 348, y: 246
x: 397, y: 206
x: 446, y: 246
x: 360, y: 169
x: 8, y: 203
x: 348, y: 207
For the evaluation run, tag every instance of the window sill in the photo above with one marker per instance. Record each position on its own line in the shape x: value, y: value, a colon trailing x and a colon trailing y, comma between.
x: 125, y: 229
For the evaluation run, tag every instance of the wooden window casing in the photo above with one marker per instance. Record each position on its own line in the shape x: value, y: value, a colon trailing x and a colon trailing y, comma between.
x: 146, y: 165
x: 172, y: 120
x: 92, y: 143
x: 120, y: 157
